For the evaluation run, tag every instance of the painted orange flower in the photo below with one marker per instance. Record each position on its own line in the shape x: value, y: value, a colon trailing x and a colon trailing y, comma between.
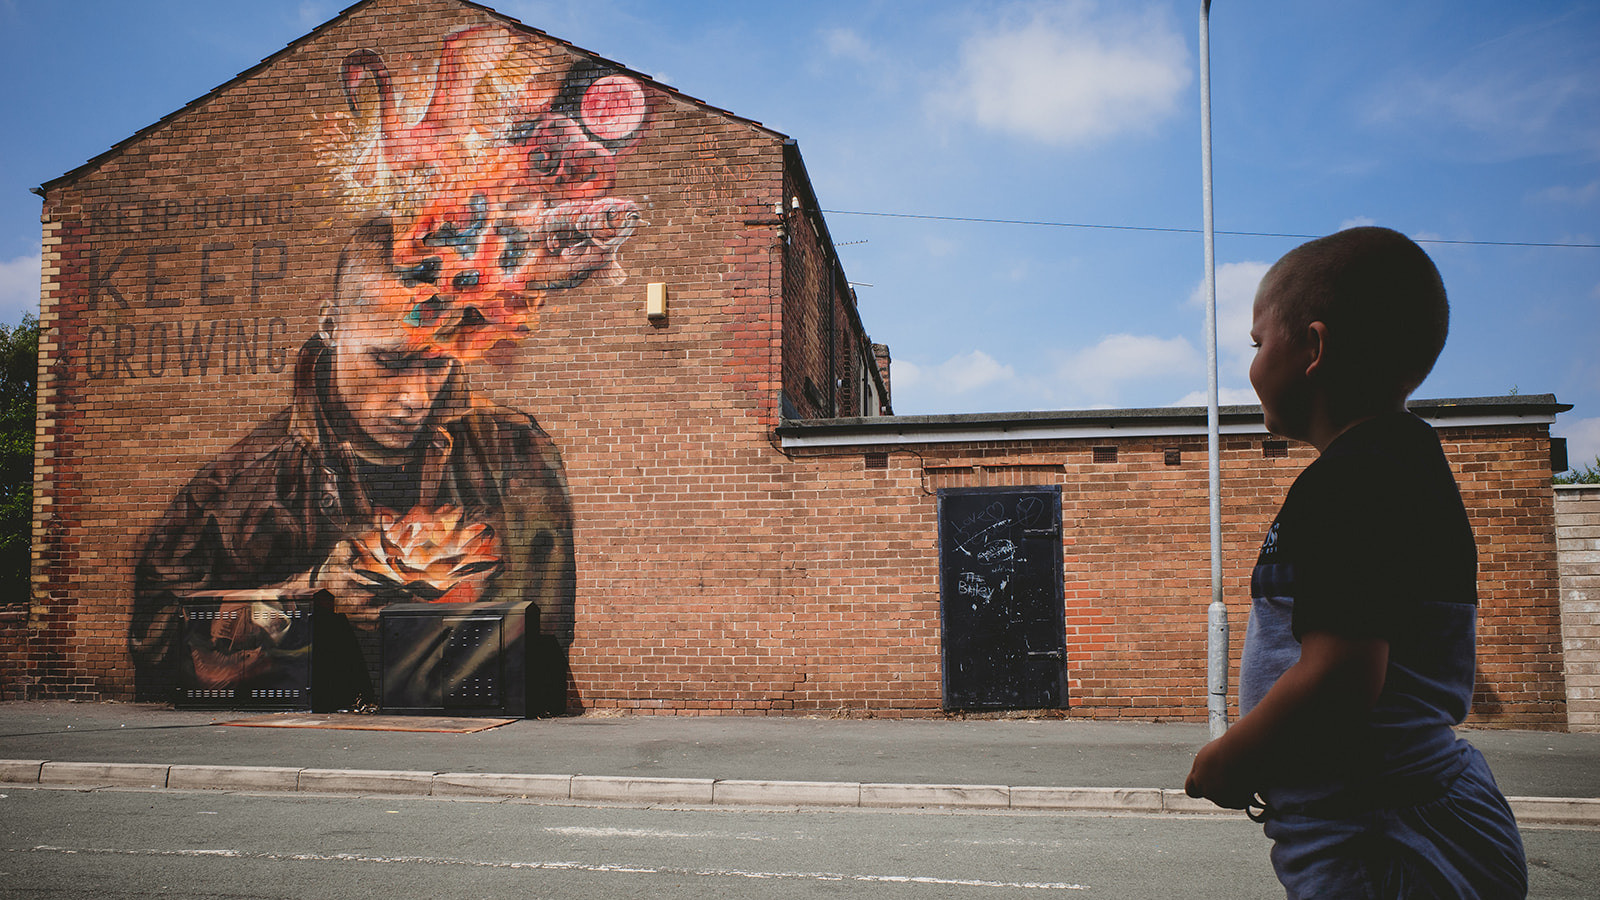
x: 431, y: 555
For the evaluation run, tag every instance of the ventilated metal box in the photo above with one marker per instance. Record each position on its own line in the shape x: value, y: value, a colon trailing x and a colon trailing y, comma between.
x: 458, y: 659
x: 247, y: 653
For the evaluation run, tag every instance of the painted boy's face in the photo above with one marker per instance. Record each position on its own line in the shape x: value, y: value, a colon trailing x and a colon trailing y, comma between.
x: 389, y: 388
x: 1278, y: 372
x: 390, y: 392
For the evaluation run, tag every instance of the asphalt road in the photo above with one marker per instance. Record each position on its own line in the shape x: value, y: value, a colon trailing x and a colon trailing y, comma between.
x: 128, y: 843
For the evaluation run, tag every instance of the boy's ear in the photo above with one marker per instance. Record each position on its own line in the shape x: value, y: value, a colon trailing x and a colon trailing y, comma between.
x: 329, y: 315
x: 1316, y: 348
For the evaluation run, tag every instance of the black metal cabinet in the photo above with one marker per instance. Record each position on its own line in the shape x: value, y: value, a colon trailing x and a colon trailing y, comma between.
x: 247, y: 653
x: 455, y: 658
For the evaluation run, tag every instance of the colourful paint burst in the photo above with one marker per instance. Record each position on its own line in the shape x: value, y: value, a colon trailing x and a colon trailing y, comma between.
x: 499, y: 193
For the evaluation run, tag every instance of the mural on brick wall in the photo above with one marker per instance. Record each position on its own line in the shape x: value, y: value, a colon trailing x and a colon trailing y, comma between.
x: 473, y: 191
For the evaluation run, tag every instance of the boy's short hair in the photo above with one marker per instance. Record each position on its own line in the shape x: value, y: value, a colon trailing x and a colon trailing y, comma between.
x: 368, y: 252
x: 1381, y: 298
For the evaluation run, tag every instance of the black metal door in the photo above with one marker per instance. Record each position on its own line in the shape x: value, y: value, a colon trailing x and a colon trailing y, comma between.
x: 1000, y: 587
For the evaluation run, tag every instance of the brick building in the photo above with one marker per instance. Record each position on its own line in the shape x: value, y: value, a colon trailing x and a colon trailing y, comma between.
x: 431, y: 306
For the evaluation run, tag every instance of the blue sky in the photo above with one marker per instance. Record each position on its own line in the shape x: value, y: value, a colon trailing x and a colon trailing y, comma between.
x: 1452, y: 120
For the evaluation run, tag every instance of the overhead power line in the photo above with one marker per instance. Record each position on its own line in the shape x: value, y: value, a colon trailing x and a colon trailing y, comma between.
x: 1271, y: 234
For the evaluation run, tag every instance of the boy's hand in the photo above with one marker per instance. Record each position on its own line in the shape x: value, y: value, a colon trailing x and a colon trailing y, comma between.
x: 1335, y: 683
x: 1215, y: 777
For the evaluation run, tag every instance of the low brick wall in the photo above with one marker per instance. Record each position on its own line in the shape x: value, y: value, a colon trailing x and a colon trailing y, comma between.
x: 863, y: 583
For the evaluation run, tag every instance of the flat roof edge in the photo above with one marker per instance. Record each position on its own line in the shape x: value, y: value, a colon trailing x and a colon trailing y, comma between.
x: 1524, y: 409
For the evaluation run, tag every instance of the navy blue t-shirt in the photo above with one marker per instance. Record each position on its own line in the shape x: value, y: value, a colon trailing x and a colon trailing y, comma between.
x: 1372, y: 541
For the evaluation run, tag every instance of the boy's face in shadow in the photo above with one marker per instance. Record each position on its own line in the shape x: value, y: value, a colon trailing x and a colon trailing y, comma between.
x: 1278, y: 372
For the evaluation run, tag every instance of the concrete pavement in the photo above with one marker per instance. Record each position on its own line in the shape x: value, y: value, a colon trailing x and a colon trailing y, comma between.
x: 1039, y: 764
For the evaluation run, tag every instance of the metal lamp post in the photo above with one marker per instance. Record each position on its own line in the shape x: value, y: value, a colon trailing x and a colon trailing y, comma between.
x: 1217, y: 612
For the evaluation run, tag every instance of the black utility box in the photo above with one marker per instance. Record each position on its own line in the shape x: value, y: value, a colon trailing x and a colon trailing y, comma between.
x: 460, y: 659
x: 250, y: 650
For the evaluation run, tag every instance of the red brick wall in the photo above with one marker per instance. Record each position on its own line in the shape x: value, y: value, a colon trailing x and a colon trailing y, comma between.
x: 1137, y: 565
x: 823, y: 347
x: 1505, y: 482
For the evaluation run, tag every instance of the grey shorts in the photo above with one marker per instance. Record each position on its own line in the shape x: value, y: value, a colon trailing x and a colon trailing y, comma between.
x: 1464, y: 844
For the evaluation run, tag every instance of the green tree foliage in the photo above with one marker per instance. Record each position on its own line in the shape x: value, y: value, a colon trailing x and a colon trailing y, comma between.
x: 19, y: 371
x: 1585, y: 474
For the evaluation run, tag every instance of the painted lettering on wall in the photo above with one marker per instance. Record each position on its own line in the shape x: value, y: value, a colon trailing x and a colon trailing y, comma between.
x: 190, y: 214
x: 247, y: 346
x: 149, y: 277
x: 172, y: 268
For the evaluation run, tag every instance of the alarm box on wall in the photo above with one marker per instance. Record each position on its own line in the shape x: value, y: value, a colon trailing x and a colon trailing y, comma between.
x: 456, y: 658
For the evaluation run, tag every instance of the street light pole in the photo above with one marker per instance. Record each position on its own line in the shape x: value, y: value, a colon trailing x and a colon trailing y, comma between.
x: 1217, y: 612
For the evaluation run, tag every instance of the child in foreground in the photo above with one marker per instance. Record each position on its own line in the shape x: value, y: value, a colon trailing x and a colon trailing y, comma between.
x: 1359, y: 656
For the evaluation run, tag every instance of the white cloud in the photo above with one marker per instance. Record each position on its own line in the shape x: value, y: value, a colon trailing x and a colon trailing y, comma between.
x: 960, y: 374
x: 1357, y: 222
x: 967, y: 382
x: 1236, y: 294
x: 1106, y: 374
x: 1568, y: 195
x: 313, y: 14
x: 1118, y: 370
x: 1069, y: 73
x: 1119, y: 357
x: 19, y: 288
x: 1583, y: 440
x: 1529, y: 93
x: 1226, y: 396
x: 1101, y: 373
x: 847, y: 43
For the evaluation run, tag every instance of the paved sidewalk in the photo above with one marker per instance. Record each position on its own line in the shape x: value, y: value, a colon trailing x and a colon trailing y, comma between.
x: 971, y: 763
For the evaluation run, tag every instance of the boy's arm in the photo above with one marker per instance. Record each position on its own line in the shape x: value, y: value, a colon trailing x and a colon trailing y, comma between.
x: 1336, y: 680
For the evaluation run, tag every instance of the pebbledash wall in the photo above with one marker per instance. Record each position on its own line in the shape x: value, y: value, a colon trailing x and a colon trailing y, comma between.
x: 1578, y: 542
x: 706, y: 504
